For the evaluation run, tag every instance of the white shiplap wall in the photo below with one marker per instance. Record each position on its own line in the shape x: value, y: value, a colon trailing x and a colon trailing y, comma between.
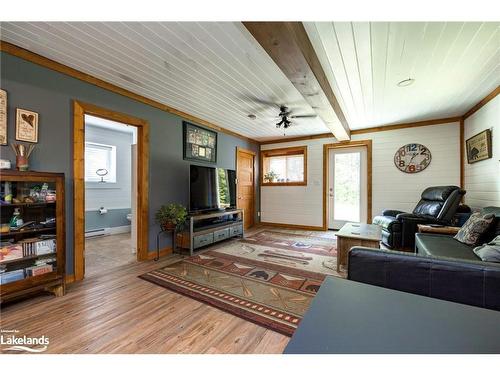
x: 482, y: 179
x: 303, y: 205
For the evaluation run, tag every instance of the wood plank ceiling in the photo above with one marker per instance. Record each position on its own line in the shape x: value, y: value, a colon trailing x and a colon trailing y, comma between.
x: 213, y: 70
x: 454, y: 64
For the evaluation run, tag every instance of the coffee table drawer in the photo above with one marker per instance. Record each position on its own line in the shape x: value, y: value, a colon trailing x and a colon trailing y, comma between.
x: 202, y: 240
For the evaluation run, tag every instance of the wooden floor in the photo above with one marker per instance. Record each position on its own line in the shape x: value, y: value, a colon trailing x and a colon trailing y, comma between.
x: 119, y: 313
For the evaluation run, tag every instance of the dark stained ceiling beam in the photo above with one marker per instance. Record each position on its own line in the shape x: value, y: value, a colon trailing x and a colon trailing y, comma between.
x: 289, y: 46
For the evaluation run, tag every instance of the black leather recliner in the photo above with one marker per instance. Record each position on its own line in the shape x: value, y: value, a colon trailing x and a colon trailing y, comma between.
x: 438, y: 205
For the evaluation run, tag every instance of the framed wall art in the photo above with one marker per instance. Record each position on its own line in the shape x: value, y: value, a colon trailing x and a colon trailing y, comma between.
x: 26, y: 125
x: 200, y: 144
x: 479, y: 147
x: 3, y: 117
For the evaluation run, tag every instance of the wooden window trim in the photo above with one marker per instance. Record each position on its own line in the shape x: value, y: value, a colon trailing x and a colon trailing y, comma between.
x: 299, y: 150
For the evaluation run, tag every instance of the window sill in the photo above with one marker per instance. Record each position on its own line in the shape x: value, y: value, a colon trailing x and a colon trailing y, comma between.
x: 297, y: 183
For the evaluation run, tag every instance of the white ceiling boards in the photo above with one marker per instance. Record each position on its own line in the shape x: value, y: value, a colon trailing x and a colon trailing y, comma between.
x: 454, y: 66
x: 211, y: 70
x: 218, y: 72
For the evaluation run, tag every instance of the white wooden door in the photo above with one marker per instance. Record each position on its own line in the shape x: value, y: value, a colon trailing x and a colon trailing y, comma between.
x: 347, y: 186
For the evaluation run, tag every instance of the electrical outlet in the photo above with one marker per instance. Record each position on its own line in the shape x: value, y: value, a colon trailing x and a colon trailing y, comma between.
x: 258, y: 213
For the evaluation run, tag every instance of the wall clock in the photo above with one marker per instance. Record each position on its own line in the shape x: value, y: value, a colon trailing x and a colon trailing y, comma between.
x: 412, y: 158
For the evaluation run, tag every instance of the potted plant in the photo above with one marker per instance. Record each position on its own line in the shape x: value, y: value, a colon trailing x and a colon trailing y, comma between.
x: 171, y: 216
x: 270, y: 176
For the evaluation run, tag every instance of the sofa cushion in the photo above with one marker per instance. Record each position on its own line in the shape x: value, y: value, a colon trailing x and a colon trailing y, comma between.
x: 494, y: 230
x: 389, y: 223
x: 474, y: 228
x: 489, y: 252
x: 443, y: 246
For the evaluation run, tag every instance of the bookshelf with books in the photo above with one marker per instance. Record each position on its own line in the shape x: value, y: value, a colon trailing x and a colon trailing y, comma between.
x: 32, y: 233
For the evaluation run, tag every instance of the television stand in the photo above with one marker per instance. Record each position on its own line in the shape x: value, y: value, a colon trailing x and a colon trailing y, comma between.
x: 209, y: 228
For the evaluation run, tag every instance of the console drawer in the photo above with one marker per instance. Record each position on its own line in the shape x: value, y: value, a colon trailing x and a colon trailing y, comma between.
x: 236, y: 230
x: 221, y: 234
x: 202, y: 240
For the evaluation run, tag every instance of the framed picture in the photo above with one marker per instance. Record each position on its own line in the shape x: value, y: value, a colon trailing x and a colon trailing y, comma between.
x: 199, y: 144
x: 479, y: 147
x: 3, y: 117
x: 26, y: 126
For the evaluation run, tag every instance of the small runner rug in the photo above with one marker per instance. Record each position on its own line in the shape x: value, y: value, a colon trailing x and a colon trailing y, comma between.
x: 268, y: 285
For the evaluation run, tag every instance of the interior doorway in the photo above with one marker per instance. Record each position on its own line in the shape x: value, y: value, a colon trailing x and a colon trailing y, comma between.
x: 110, y: 202
x: 96, y: 173
x: 347, y: 183
x: 245, y: 186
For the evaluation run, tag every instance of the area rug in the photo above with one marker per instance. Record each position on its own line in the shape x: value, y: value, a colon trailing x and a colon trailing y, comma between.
x: 314, y: 244
x: 267, y: 285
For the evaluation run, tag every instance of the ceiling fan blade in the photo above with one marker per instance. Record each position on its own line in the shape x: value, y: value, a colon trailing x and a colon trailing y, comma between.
x: 254, y: 99
x: 304, y: 116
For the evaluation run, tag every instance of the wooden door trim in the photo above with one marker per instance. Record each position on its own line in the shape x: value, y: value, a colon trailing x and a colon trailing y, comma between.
x: 80, y: 109
x: 326, y: 148
x: 254, y: 156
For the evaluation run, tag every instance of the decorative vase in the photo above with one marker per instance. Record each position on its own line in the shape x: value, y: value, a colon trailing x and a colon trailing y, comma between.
x: 22, y: 163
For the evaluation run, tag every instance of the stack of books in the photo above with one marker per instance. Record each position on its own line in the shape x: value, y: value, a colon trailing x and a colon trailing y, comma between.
x: 38, y: 270
x: 11, y: 252
x: 11, y: 276
x: 36, y: 246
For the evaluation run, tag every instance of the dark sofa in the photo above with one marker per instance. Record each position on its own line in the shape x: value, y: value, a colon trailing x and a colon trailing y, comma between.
x: 442, y: 267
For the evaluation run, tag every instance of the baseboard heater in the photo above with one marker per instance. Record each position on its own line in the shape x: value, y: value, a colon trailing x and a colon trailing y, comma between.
x: 107, y: 231
x: 97, y: 232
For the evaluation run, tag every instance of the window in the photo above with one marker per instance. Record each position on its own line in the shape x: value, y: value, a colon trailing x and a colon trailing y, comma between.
x: 285, y: 166
x: 99, y: 156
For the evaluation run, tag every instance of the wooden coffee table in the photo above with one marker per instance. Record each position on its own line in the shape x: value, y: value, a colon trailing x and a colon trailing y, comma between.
x: 355, y: 234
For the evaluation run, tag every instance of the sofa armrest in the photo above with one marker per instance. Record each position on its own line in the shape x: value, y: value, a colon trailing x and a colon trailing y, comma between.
x: 393, y: 213
x: 469, y: 282
x: 418, y: 219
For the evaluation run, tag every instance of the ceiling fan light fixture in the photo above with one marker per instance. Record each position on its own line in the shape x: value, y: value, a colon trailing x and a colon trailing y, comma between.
x: 406, y: 82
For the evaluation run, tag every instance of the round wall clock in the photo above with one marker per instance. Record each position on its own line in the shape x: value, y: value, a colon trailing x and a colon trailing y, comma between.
x: 412, y: 158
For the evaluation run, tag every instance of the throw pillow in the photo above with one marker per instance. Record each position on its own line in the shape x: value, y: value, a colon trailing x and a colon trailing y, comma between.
x: 473, y: 228
x: 489, y: 252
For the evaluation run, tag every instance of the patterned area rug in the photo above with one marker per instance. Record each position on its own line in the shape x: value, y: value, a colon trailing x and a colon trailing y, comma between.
x: 314, y: 244
x: 270, y: 286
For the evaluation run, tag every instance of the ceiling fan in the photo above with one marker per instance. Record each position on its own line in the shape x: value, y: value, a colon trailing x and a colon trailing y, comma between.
x: 285, y: 115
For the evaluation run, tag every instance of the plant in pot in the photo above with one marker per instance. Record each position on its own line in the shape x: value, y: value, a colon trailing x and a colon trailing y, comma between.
x: 270, y: 176
x: 171, y: 216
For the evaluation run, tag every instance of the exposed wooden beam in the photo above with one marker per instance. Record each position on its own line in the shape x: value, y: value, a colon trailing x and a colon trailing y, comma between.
x: 289, y: 46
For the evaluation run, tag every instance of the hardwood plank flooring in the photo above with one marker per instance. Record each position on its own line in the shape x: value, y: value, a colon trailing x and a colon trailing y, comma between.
x: 117, y: 312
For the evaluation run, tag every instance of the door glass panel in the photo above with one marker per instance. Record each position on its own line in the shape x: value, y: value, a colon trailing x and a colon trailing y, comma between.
x: 347, y: 187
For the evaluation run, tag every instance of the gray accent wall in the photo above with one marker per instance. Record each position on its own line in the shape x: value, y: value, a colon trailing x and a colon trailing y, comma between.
x: 51, y: 94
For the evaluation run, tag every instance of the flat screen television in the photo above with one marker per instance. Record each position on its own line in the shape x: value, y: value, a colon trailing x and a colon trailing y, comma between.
x: 211, y: 188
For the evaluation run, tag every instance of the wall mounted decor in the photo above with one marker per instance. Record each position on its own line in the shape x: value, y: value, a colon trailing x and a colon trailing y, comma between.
x: 479, y: 147
x: 412, y: 158
x: 26, y: 125
x: 200, y: 144
x: 3, y: 117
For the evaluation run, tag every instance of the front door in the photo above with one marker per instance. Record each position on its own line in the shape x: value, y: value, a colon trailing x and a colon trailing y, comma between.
x: 245, y: 186
x: 347, y: 186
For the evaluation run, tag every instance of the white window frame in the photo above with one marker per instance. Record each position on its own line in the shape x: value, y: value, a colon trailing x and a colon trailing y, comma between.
x: 110, y: 164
